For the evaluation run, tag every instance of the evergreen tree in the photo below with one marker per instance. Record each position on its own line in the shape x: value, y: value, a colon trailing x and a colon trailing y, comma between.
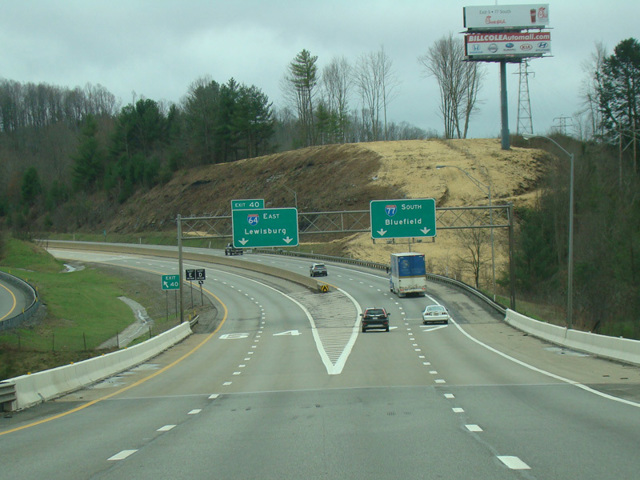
x: 300, y: 85
x: 31, y: 186
x: 88, y: 165
x: 619, y: 93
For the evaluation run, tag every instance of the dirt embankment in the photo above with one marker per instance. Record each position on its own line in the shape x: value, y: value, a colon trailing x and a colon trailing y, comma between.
x: 348, y: 177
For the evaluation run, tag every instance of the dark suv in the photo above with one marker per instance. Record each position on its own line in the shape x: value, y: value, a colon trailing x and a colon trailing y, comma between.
x: 375, y: 318
x: 231, y: 250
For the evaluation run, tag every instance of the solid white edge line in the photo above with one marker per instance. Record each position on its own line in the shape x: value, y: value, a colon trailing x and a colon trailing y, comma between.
x: 342, y: 360
x: 539, y: 370
x: 544, y: 372
x: 323, y: 355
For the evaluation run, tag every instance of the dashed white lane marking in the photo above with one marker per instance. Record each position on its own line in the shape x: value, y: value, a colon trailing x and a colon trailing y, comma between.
x: 457, y: 410
x: 166, y: 428
x: 449, y: 396
x: 195, y: 411
x: 237, y: 373
x: 473, y: 428
x: 226, y: 384
x: 514, y: 463
x: 122, y: 455
x: 433, y: 372
x: 440, y: 380
x: 213, y: 396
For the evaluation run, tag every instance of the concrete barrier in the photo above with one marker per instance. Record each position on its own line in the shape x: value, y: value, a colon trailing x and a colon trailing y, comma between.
x: 619, y: 349
x: 187, y: 254
x: 46, y: 385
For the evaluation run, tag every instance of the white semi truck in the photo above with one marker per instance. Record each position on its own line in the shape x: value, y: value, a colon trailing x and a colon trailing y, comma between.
x: 408, y: 274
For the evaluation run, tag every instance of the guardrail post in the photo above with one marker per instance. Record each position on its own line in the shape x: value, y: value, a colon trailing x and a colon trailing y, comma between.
x: 8, y: 397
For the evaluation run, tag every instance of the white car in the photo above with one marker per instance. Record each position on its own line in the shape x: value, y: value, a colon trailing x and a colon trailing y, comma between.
x: 318, y: 270
x: 435, y: 314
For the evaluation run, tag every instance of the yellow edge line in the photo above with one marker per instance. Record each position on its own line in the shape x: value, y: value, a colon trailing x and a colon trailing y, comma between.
x: 14, y: 302
x: 139, y: 382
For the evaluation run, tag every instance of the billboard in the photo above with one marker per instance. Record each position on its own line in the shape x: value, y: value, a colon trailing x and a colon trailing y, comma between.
x: 494, y: 46
x: 505, y: 17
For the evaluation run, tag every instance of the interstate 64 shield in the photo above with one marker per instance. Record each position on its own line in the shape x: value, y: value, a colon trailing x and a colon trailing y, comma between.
x: 265, y: 227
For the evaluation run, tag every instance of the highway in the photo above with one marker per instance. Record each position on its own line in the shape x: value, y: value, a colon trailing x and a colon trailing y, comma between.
x: 12, y: 300
x: 288, y: 388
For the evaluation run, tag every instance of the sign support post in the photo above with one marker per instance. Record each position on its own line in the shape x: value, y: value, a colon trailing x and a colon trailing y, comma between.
x: 180, y: 264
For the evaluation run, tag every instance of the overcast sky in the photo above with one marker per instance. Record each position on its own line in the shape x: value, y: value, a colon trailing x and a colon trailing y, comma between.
x: 157, y: 48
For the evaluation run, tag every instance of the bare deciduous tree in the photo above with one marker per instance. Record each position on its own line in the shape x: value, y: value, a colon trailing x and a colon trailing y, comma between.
x: 459, y: 83
x: 376, y: 84
x: 591, y: 87
x: 337, y: 83
x: 475, y: 241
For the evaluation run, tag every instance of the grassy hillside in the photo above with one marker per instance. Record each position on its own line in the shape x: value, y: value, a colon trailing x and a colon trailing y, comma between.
x: 79, y: 310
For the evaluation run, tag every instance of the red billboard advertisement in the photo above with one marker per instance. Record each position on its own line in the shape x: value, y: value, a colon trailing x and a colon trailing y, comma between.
x: 495, y: 46
x: 506, y: 17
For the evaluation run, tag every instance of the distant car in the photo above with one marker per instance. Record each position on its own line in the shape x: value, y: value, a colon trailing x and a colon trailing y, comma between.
x: 318, y: 270
x: 231, y: 250
x: 435, y: 314
x: 375, y: 318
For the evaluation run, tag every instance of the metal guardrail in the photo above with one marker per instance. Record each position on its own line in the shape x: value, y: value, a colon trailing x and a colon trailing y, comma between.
x: 7, y: 396
x: 383, y: 266
x: 27, y: 313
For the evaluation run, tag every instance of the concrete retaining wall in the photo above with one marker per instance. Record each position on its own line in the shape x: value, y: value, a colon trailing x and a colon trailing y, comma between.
x: 46, y: 385
x: 620, y: 349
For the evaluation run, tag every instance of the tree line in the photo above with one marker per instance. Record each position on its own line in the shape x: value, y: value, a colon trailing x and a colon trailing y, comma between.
x: 59, y: 146
x: 606, y: 273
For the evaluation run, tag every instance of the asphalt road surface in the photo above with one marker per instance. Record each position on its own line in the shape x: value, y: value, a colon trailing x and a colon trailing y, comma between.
x: 288, y: 388
x: 12, y: 301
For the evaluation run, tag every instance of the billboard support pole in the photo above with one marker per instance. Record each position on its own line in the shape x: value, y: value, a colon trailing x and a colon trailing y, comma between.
x: 504, y: 105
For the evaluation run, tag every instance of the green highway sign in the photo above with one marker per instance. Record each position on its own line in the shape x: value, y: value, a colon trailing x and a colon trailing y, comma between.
x: 170, y: 282
x: 403, y: 218
x: 265, y: 227
x: 247, y: 204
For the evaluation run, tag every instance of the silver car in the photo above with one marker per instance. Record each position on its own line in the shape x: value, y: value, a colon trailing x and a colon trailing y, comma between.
x: 435, y: 314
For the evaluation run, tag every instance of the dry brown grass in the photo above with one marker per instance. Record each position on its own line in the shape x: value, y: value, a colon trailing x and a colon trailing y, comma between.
x: 348, y: 177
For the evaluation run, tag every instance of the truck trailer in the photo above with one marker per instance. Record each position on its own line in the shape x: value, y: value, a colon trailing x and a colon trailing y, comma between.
x: 408, y: 274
